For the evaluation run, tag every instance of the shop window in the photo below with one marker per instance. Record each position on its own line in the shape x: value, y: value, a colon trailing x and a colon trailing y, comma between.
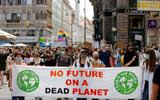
x: 136, y: 22
x: 133, y: 3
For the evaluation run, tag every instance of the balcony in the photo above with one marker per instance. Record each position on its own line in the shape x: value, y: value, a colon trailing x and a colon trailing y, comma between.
x: 27, y: 39
x: 13, y: 20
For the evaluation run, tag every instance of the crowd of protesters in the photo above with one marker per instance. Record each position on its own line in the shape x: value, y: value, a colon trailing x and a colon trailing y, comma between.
x: 103, y: 57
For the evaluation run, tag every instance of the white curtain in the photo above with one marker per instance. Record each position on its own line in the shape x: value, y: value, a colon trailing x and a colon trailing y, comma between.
x: 29, y: 2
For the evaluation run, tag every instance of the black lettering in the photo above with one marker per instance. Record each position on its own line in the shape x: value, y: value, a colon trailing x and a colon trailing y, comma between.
x: 60, y: 91
x: 47, y: 90
x: 54, y: 90
x: 66, y: 90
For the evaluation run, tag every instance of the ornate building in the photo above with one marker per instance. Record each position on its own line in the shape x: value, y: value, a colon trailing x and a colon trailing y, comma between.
x: 27, y: 19
x: 119, y: 22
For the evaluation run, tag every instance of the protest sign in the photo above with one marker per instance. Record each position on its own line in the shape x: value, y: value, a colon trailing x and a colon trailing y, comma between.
x: 110, y: 83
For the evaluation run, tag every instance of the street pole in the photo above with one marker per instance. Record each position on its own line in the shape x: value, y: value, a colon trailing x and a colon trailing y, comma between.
x: 72, y: 21
x: 62, y: 14
x: 84, y: 20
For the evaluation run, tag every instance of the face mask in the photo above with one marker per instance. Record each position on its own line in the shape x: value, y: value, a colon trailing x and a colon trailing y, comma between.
x: 146, y: 56
x: 63, y: 52
x: 58, y: 51
x: 96, y: 57
x: 83, y: 56
x: 18, y: 59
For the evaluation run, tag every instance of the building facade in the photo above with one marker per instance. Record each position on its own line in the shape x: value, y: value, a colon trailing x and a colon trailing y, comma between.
x: 78, y: 29
x: 68, y: 19
x: 119, y: 22
x: 27, y: 19
x: 89, y: 31
x: 62, y: 17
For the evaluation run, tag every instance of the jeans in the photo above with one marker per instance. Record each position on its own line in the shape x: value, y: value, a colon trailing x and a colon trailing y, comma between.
x: 146, y: 91
x: 18, y: 98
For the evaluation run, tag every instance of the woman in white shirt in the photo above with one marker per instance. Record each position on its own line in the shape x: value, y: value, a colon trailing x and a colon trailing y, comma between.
x: 149, y: 69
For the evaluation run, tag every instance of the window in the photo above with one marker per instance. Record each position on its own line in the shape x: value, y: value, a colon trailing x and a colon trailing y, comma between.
x: 13, y: 17
x: 3, y: 2
x: 37, y: 16
x: 19, y: 2
x: 14, y: 2
x: 40, y: 2
x: 133, y: 3
x: 41, y: 15
x: 30, y: 33
x: 1, y: 18
x: 29, y: 15
x: 24, y: 2
x: 29, y: 2
x: 15, y: 32
x: 8, y: 17
x: 10, y: 2
x: 136, y: 22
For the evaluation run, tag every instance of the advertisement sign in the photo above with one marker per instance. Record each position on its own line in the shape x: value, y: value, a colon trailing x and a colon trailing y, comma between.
x: 148, y: 5
x: 152, y: 24
x: 108, y: 83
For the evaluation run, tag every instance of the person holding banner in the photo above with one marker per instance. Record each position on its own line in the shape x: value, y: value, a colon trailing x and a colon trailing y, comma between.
x: 118, y: 57
x: 3, y: 58
x: 83, y: 62
x: 64, y: 60
x: 105, y: 56
x: 18, y: 61
x: 150, y: 59
x: 96, y: 62
x: 155, y: 95
x: 130, y: 57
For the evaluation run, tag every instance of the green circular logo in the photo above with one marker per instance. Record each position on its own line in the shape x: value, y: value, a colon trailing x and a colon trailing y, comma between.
x: 27, y: 81
x: 126, y: 82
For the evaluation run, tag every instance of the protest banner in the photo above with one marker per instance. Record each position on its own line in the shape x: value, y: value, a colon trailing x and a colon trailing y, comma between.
x: 109, y: 83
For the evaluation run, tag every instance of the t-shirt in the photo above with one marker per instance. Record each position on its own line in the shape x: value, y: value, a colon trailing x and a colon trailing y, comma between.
x: 104, y: 57
x: 156, y: 80
x: 3, y: 58
x: 64, y: 60
x: 128, y: 57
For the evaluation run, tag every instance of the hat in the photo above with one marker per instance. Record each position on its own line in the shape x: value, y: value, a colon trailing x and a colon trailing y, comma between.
x: 83, y: 51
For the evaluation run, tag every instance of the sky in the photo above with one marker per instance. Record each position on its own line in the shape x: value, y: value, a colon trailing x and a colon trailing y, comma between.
x: 89, y: 8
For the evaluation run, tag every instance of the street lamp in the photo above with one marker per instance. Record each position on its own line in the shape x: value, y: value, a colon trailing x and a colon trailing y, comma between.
x: 72, y: 20
x: 84, y: 20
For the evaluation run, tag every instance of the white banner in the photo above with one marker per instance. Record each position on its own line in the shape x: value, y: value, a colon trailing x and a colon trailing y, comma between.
x: 109, y: 83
